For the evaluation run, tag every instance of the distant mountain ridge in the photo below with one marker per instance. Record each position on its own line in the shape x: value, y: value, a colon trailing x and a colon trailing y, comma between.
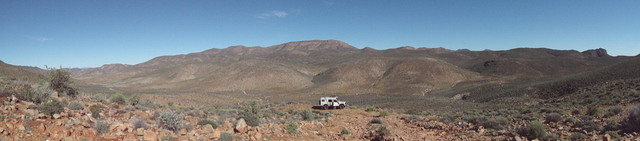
x: 332, y: 66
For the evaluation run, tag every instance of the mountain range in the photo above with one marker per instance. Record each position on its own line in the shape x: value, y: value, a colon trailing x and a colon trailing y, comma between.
x: 332, y: 67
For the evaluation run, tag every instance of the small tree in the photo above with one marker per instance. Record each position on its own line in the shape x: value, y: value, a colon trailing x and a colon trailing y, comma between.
x: 60, y: 81
x: 251, y: 113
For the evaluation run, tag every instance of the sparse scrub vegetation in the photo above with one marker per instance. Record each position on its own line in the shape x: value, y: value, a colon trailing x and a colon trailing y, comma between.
x: 578, y: 136
x: 412, y: 118
x: 345, y: 131
x: 118, y: 98
x: 292, y: 128
x: 52, y: 107
x: 101, y: 127
x: 593, y: 111
x: 206, y: 121
x: 134, y: 99
x: 588, y: 125
x: 553, y: 117
x: 384, y: 113
x: 170, y: 120
x: 532, y: 131
x: 139, y: 123
x: 95, y: 110
x: 376, y: 121
x: 613, y: 134
x: 75, y: 105
x: 371, y: 109
x: 225, y: 136
x: 307, y: 115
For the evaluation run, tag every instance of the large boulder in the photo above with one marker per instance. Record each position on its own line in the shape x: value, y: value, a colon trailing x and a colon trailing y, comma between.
x: 241, y: 126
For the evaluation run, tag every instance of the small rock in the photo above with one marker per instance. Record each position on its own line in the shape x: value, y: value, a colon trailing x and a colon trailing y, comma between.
x: 207, y: 128
x: 130, y: 137
x: 216, y: 134
x: 149, y: 136
x: 183, y: 131
x: 607, y: 137
x: 56, y: 116
x: 21, y: 127
x: 110, y: 137
x: 517, y: 138
x: 140, y: 131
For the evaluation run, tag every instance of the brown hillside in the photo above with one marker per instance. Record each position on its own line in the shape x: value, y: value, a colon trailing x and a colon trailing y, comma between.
x: 335, y: 67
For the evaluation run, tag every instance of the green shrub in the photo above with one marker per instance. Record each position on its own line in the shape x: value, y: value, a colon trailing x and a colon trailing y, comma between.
x: 412, y: 118
x: 95, y: 110
x: 593, y: 111
x: 52, y: 107
x: 251, y: 113
x: 613, y: 134
x: 292, y: 128
x: 612, y: 125
x: 37, y: 95
x: 553, y: 117
x: 532, y: 131
x: 118, y: 98
x: 550, y: 137
x: 170, y: 120
x: 345, y: 131
x: 491, y: 124
x: 101, y: 127
x: 75, y: 106
x: 578, y: 136
x: 570, y: 120
x: 382, y: 133
x: 371, y: 109
x: 134, y: 99
x: 226, y: 137
x: 307, y: 115
x: 384, y: 113
x: 376, y: 121
x: 588, y: 125
x: 206, y: 121
x: 615, y: 110
x: 139, y: 123
x: 576, y: 111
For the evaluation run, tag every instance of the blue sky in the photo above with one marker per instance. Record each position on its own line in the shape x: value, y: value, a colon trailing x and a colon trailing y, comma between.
x: 92, y: 33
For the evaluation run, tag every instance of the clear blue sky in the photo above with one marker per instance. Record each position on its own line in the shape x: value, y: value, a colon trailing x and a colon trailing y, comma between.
x: 87, y: 33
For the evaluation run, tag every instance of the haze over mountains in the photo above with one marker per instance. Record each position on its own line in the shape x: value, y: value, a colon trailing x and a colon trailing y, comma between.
x: 335, y: 67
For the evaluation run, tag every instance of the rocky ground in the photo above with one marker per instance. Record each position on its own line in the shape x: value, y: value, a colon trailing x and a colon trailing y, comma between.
x: 20, y: 121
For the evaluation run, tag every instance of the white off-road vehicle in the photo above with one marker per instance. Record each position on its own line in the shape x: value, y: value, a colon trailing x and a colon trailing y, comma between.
x: 331, y: 102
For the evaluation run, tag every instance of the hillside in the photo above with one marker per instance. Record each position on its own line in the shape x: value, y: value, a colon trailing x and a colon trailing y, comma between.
x: 12, y: 72
x: 333, y: 67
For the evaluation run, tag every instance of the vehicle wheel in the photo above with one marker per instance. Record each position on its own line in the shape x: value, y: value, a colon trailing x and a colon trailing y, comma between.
x: 325, y: 107
x: 342, y: 106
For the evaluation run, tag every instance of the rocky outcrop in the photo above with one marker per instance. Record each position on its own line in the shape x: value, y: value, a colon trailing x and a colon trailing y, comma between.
x: 600, y: 52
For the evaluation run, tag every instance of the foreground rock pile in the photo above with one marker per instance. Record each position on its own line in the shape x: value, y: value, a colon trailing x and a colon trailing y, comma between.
x: 21, y: 121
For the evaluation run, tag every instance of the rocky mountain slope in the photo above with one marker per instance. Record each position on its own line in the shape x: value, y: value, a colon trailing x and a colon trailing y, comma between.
x: 331, y: 66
